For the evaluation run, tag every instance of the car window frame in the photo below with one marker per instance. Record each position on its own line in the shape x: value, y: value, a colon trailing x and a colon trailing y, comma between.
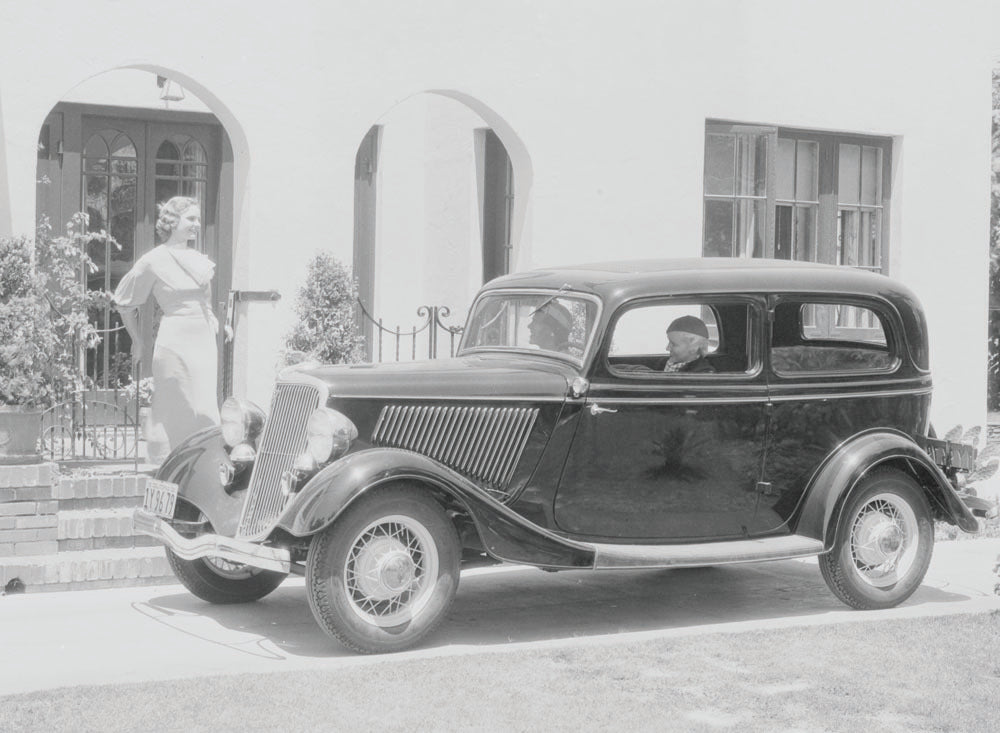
x: 577, y: 361
x: 889, y: 317
x: 603, y: 368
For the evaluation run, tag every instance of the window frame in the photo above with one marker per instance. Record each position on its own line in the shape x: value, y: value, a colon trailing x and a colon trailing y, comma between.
x: 883, y: 310
x: 828, y: 170
x: 755, y: 361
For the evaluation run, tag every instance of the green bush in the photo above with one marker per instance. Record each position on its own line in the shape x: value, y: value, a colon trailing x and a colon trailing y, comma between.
x: 327, y: 328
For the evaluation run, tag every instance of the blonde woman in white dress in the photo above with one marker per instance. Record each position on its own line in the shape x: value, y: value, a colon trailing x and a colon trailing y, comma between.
x: 185, y: 354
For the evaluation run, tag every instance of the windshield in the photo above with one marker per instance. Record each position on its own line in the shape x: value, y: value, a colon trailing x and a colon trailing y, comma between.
x: 552, y: 322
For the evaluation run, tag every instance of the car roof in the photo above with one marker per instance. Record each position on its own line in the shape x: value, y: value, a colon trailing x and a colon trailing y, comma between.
x: 616, y: 282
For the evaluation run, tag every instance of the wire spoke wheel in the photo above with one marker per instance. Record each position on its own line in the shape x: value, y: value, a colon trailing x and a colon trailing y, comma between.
x: 390, y: 569
x: 384, y: 574
x: 884, y: 540
x: 883, y: 544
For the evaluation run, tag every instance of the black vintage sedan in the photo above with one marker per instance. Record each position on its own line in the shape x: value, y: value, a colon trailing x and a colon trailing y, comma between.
x: 654, y: 414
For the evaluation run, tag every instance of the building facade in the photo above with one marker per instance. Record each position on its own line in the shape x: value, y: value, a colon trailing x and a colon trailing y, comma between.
x: 435, y: 145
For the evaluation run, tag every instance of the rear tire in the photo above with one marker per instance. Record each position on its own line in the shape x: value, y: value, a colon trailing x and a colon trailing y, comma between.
x: 383, y: 575
x: 885, y: 538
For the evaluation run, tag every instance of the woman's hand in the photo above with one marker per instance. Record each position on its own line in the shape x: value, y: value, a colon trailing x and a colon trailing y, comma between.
x: 228, y: 330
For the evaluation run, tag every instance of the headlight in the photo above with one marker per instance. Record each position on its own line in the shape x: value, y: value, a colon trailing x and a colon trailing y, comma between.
x: 241, y: 421
x: 328, y: 434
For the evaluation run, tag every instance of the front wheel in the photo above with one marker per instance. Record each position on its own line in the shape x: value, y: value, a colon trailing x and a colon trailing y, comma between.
x: 885, y: 538
x: 216, y: 580
x: 383, y: 575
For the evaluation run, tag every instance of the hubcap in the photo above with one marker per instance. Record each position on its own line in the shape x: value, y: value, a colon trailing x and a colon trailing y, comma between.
x: 884, y: 540
x: 390, y: 570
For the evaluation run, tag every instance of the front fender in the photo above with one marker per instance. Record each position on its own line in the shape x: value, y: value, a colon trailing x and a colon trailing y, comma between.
x: 194, y: 467
x: 833, y: 483
x: 506, y: 535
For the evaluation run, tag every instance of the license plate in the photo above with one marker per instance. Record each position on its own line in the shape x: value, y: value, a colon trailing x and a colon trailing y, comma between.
x: 161, y: 498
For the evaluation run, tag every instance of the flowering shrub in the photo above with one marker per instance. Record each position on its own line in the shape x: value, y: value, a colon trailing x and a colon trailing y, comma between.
x: 327, y: 329
x: 141, y: 390
x: 44, y: 326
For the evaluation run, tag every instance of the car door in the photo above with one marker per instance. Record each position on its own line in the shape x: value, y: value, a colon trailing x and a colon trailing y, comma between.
x: 669, y: 456
x: 834, y: 370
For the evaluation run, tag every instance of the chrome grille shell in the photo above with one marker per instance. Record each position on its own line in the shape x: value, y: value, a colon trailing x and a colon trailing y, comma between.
x: 283, y: 438
x: 482, y: 443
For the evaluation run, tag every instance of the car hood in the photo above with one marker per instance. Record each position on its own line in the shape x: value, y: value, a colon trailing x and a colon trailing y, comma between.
x: 474, y: 376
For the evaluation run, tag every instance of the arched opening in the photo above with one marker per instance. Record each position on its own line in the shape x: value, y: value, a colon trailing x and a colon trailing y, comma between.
x: 116, y: 146
x: 441, y: 188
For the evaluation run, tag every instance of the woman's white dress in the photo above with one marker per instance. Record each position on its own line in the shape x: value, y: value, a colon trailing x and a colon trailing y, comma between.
x: 185, y: 355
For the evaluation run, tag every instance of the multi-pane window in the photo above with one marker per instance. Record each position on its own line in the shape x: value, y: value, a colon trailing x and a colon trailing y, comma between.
x: 795, y: 194
x: 181, y: 170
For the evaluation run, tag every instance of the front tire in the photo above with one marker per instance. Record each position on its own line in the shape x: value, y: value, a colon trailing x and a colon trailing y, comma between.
x: 384, y: 574
x: 884, y: 542
x: 219, y: 581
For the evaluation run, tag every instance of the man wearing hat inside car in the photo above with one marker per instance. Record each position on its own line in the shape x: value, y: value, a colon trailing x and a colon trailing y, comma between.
x: 549, y: 327
x: 687, y: 342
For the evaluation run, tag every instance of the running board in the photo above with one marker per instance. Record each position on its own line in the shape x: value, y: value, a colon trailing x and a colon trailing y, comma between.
x: 704, y: 553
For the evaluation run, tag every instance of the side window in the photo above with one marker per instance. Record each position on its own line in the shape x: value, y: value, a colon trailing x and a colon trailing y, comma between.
x: 828, y: 337
x: 688, y: 338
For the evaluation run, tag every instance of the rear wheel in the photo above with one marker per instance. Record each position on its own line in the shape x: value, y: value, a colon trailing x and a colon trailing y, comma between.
x: 885, y: 538
x: 384, y: 574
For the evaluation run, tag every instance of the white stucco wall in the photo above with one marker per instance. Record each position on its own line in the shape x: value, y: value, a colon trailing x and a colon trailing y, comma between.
x: 603, y: 106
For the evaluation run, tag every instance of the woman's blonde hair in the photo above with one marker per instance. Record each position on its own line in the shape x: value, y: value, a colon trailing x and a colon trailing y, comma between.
x: 170, y: 213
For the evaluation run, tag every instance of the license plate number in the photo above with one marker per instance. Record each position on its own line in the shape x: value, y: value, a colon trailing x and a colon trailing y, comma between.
x: 161, y: 498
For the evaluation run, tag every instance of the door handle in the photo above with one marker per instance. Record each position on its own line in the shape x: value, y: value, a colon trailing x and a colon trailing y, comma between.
x: 596, y: 409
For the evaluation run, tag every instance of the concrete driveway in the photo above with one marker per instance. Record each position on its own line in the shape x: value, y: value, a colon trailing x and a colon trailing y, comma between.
x: 140, y: 634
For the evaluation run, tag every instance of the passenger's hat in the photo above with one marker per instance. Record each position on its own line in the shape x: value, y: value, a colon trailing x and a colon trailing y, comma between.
x: 557, y: 313
x: 689, y: 324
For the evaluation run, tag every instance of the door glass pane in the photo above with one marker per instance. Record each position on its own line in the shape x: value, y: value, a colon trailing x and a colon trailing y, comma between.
x: 806, y: 167
x: 719, y: 228
x: 123, y: 198
x: 750, y: 228
x: 871, y: 169
x: 194, y: 152
x: 785, y: 170
x: 168, y: 169
x: 96, y: 148
x: 751, y: 165
x: 720, y: 156
x: 805, y: 233
x: 783, y: 232
x: 122, y: 147
x: 847, y: 237
x: 168, y: 151
x: 850, y: 171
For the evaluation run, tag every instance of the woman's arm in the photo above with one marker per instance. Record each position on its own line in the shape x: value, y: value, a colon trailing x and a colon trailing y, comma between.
x: 130, y: 319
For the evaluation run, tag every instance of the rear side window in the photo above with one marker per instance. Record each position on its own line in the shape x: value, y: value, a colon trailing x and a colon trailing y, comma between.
x: 812, y: 337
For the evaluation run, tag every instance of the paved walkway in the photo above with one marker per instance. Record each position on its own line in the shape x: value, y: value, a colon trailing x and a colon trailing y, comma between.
x: 123, y: 635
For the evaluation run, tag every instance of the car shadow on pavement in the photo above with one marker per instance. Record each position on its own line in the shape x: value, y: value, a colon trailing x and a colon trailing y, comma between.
x: 507, y: 604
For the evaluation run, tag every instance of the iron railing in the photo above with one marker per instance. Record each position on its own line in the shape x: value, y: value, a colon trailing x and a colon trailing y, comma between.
x: 429, y: 330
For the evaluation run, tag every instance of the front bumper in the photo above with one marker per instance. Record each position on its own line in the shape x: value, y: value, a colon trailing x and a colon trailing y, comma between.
x: 212, y: 545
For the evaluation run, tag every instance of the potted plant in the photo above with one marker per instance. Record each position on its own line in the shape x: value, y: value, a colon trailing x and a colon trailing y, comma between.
x: 43, y: 327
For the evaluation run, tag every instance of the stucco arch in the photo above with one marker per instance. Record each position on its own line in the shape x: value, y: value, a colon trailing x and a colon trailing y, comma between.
x: 450, y: 160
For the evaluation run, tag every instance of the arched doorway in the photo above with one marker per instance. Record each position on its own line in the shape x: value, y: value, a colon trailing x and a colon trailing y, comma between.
x: 441, y: 186
x: 114, y: 148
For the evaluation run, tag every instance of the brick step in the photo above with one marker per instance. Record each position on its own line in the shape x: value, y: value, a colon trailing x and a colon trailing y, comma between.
x: 95, y: 529
x: 88, y: 569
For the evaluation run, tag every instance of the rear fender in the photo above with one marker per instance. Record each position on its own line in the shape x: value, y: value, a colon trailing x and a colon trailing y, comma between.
x: 505, y: 534
x: 833, y: 483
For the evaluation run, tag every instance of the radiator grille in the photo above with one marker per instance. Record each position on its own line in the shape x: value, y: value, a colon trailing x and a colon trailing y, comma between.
x: 284, y: 438
x: 483, y: 443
